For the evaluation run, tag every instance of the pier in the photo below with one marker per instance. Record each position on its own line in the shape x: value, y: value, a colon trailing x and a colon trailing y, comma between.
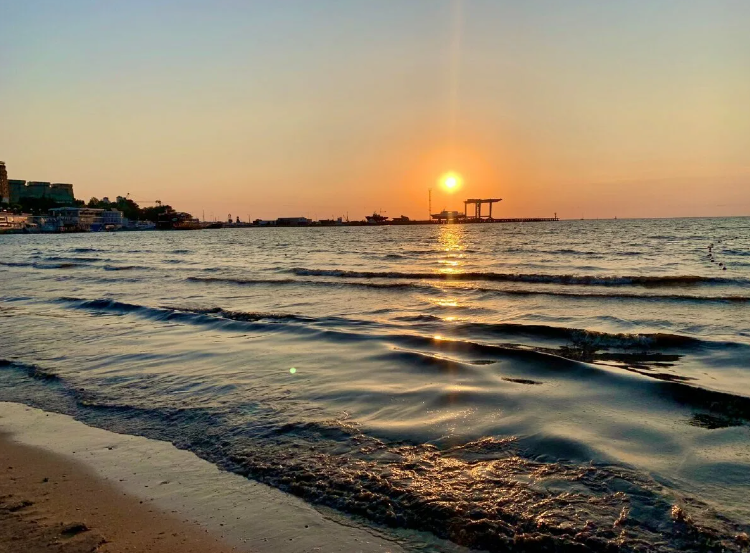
x: 478, y: 207
x: 456, y: 217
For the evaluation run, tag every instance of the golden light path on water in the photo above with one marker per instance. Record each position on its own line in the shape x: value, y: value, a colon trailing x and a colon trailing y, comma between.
x: 451, y: 241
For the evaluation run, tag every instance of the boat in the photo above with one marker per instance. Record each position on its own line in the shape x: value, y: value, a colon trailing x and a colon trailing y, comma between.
x: 177, y: 220
x: 376, y: 219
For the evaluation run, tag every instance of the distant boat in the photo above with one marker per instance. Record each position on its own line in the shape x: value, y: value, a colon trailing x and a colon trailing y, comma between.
x: 376, y: 218
x: 173, y: 220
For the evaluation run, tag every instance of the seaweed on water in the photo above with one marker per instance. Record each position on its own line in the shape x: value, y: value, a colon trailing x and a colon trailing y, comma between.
x: 34, y: 371
x: 714, y: 421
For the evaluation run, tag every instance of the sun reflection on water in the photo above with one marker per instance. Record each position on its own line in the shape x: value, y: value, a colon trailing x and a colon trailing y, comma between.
x: 451, y: 241
x: 451, y: 238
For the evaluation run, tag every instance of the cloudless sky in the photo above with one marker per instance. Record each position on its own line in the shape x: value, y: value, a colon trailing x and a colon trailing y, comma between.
x: 325, y: 107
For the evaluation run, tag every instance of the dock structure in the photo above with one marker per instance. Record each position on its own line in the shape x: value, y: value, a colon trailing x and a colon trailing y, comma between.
x: 478, y: 203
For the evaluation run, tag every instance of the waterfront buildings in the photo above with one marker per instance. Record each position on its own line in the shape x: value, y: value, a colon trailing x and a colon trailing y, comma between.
x: 4, y: 189
x: 112, y: 219
x: 77, y: 218
x: 292, y: 221
x: 59, y: 192
x: 12, y: 191
x: 283, y: 222
x: 11, y: 221
x: 68, y: 219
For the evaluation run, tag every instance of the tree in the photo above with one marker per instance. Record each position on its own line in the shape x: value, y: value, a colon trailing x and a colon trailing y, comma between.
x: 152, y: 213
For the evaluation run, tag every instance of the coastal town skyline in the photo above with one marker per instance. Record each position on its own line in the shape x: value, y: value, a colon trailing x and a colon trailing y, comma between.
x: 319, y: 111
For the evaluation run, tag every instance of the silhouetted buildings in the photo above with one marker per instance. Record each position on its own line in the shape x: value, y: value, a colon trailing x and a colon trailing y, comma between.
x: 12, y: 221
x: 293, y: 221
x: 62, y: 193
x: 4, y: 189
x: 12, y: 191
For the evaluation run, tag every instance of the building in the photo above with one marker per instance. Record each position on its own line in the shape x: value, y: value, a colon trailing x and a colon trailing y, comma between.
x: 59, y: 192
x: 112, y: 219
x: 16, y: 190
x: 10, y: 221
x: 4, y: 187
x: 83, y: 219
x: 292, y: 221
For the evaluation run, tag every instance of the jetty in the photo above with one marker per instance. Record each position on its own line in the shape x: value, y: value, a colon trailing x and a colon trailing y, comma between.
x: 456, y: 217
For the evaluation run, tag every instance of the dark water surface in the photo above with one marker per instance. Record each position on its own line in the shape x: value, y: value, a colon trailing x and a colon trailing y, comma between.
x: 580, y: 385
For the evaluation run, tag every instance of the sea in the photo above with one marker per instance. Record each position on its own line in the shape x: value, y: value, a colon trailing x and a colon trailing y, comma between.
x: 553, y: 386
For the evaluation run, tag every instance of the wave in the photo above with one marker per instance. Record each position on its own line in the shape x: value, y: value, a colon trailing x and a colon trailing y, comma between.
x: 33, y: 371
x: 580, y: 340
x: 592, y: 338
x: 591, y: 280
x: 617, y: 296
x: 39, y: 265
x: 169, y: 313
x: 428, y: 288
x: 480, y: 493
x: 293, y: 281
x: 73, y: 259
x: 126, y: 268
x: 63, y: 265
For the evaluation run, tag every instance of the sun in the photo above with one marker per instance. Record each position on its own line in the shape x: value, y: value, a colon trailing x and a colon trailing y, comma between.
x: 451, y: 181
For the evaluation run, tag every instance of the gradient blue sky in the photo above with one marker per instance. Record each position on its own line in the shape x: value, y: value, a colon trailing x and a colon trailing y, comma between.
x: 319, y: 108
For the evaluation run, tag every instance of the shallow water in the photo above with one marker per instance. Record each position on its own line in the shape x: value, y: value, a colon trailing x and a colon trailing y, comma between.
x: 580, y: 384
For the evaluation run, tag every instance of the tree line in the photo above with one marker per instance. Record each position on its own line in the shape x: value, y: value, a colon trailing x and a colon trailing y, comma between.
x: 129, y: 208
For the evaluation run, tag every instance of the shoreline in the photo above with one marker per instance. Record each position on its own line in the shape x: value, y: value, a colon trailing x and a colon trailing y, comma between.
x: 146, y: 495
x: 51, y: 503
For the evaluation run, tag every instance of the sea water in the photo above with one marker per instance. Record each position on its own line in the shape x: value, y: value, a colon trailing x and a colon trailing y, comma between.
x: 572, y: 384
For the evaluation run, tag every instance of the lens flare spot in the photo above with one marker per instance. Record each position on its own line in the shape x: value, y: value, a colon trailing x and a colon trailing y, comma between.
x: 293, y: 370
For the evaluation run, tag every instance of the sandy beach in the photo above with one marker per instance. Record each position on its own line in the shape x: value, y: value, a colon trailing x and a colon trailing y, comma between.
x: 50, y: 503
x: 68, y: 487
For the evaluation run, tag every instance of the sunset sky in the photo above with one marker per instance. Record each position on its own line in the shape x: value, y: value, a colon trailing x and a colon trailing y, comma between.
x: 322, y: 108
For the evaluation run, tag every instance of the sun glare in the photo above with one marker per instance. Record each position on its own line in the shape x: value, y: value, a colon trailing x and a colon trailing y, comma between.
x: 451, y: 181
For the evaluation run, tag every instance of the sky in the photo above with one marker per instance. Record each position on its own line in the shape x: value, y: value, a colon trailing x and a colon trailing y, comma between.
x: 326, y: 108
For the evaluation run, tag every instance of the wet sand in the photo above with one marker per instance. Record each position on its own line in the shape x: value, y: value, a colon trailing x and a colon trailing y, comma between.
x: 118, y: 492
x: 50, y: 503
